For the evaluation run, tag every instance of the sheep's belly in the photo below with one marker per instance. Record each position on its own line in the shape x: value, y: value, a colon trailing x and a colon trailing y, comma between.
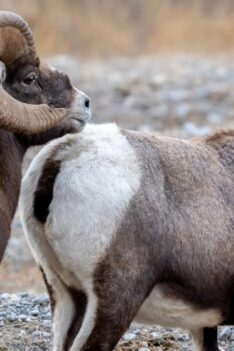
x: 159, y: 309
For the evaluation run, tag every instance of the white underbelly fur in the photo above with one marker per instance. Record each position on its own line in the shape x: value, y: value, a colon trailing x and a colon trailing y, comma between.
x: 159, y: 309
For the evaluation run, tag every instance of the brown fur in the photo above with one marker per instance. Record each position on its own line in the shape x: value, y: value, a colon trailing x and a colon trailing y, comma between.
x: 11, y: 155
x: 178, y: 231
x: 80, y: 301
x: 219, y: 135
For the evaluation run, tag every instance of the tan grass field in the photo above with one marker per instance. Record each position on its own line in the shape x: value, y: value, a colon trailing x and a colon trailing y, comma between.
x: 97, y: 28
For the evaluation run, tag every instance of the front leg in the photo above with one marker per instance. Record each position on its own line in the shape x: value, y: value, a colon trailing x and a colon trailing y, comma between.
x: 205, y: 339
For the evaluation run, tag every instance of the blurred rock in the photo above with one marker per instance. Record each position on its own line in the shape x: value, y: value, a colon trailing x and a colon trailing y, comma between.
x: 225, y: 333
x: 192, y: 129
x: 158, y: 92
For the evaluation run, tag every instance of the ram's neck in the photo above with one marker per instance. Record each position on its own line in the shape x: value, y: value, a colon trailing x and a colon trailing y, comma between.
x: 42, y: 138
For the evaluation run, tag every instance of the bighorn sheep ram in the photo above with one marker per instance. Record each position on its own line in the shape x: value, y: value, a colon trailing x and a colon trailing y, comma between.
x: 33, y: 98
x: 126, y: 225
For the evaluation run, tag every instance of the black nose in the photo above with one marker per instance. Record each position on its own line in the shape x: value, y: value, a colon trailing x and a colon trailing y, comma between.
x: 87, y: 103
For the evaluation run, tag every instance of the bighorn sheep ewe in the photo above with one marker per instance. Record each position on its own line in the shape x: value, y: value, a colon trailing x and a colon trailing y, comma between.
x: 33, y: 98
x: 126, y: 225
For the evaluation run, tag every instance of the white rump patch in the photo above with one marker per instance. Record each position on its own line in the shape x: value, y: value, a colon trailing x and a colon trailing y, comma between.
x: 99, y: 176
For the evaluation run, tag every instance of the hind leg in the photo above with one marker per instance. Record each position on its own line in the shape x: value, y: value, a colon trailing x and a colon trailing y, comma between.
x: 62, y: 306
x: 80, y: 302
x: 205, y: 339
x: 102, y: 327
x: 111, y: 306
x: 210, y: 339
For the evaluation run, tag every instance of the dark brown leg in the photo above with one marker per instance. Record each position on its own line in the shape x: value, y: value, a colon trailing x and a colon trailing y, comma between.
x: 205, y: 339
x: 49, y: 290
x: 119, y: 300
x: 110, y: 325
x: 210, y: 339
x: 80, y: 302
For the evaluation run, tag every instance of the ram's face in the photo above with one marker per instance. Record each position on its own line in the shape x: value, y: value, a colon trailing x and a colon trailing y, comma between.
x: 41, y: 85
x: 33, y: 97
x: 46, y: 85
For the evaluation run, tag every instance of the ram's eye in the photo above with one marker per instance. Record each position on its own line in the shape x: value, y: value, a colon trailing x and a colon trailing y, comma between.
x: 29, y: 79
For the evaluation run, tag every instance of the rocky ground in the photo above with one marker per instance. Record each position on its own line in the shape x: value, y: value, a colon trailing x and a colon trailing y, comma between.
x: 180, y: 96
x: 25, y: 325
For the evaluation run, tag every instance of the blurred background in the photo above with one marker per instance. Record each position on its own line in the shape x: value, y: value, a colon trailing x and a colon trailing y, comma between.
x: 161, y: 66
x: 101, y: 28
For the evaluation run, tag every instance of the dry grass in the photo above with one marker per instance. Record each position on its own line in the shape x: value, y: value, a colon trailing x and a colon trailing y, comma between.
x: 26, y: 278
x: 128, y: 27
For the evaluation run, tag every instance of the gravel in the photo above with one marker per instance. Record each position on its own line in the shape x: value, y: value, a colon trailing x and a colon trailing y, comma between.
x: 25, y: 325
x: 25, y: 322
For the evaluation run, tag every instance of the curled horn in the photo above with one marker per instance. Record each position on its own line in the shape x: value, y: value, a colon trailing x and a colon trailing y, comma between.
x: 17, y: 46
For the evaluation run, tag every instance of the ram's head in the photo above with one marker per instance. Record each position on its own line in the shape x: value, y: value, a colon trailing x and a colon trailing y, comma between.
x: 33, y: 97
